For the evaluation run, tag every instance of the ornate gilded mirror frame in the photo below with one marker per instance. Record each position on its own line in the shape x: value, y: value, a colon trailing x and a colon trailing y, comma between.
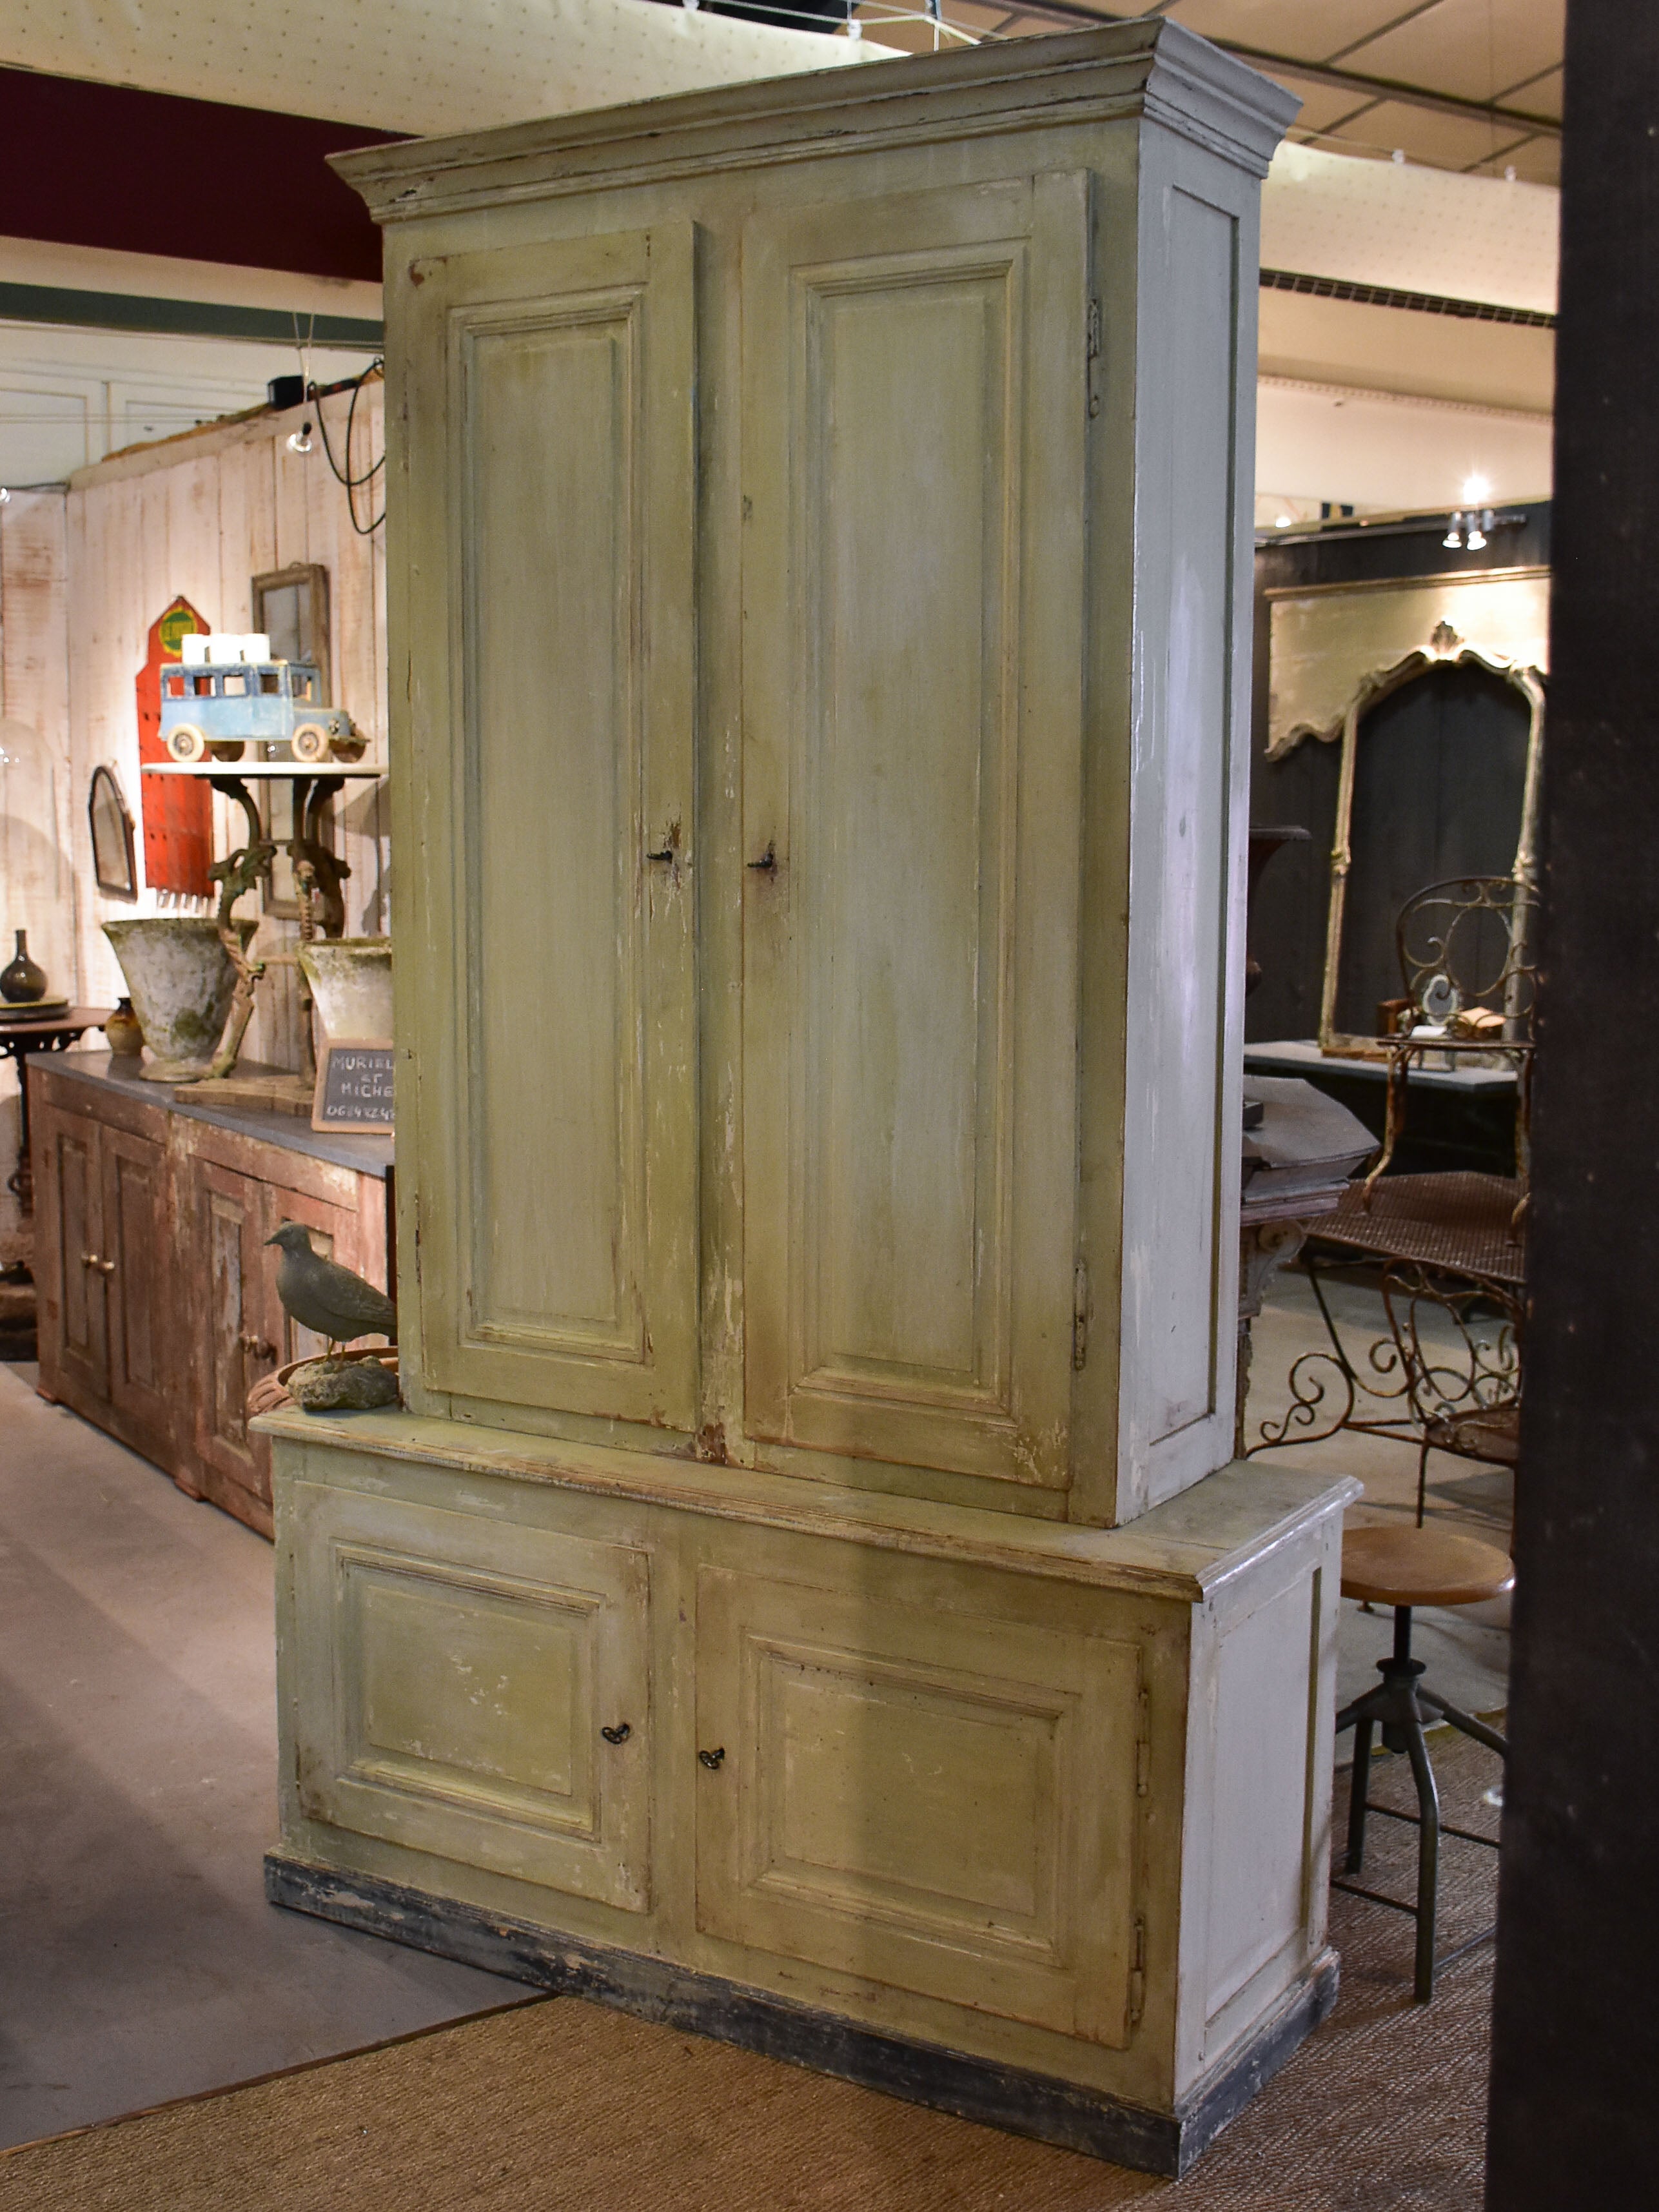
x: 1512, y: 608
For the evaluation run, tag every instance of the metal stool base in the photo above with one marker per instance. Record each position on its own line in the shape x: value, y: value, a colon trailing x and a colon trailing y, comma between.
x: 1397, y: 1707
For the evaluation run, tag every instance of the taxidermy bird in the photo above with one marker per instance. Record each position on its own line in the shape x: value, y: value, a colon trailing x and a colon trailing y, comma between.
x: 323, y: 1295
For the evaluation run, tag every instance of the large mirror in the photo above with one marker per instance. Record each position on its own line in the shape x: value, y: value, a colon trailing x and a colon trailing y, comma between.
x: 1440, y: 738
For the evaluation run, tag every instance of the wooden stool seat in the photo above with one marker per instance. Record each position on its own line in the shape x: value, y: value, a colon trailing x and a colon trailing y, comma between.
x: 1422, y: 1566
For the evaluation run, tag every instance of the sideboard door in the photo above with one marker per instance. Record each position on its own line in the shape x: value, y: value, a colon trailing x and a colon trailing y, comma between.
x: 915, y: 400
x: 228, y: 1267
x: 144, y: 1364
x: 547, y: 989
x: 74, y: 1348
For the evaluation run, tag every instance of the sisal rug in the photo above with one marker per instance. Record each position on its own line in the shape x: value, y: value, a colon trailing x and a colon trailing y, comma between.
x: 558, y: 2106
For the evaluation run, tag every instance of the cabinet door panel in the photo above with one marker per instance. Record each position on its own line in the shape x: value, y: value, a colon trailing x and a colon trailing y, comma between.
x: 911, y: 1017
x: 931, y: 1799
x: 557, y: 468
x: 460, y: 1674
x: 73, y: 1203
x: 145, y: 1380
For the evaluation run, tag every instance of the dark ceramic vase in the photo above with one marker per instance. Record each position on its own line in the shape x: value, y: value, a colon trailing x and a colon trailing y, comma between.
x: 25, y: 979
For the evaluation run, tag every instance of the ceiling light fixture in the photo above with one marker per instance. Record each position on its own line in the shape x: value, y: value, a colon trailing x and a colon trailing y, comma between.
x: 299, y: 440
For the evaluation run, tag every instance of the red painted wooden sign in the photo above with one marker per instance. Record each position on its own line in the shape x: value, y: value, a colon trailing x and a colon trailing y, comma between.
x: 177, y: 810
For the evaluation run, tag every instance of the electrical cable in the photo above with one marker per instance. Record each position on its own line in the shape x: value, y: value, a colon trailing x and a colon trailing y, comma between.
x: 353, y: 483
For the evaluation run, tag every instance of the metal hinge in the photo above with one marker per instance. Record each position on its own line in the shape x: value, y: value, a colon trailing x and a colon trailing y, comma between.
x: 1138, y: 1972
x: 1092, y: 357
x: 1080, y: 1316
x: 1144, y: 1745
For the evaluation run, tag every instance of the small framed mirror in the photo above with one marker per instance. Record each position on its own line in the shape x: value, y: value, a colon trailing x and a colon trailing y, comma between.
x: 290, y: 606
x: 114, y: 863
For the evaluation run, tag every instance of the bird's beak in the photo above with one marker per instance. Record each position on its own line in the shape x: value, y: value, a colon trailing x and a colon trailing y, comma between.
x: 273, y: 1239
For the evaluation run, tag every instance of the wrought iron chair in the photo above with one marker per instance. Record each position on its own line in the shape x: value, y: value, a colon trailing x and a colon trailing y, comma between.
x: 1463, y: 948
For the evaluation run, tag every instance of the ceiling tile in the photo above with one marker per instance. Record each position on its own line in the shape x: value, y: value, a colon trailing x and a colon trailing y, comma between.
x: 1322, y: 104
x: 1470, y: 47
x: 1538, y: 161
x: 1311, y: 29
x: 1541, y: 97
x: 1448, y: 141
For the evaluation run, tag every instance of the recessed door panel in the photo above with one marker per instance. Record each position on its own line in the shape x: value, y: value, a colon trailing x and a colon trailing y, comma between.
x: 563, y: 1144
x: 909, y: 1008
x: 74, y: 1164
x: 472, y: 1674
x: 144, y: 1379
x: 932, y: 1800
x: 235, y: 1341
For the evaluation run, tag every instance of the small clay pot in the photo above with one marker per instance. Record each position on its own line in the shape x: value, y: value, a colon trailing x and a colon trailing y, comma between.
x: 124, y: 1031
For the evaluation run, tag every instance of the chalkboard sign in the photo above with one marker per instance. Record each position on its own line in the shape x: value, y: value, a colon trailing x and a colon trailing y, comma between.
x: 354, y: 1086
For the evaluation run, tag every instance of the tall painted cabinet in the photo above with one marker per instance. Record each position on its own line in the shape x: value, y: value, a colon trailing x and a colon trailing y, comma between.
x: 806, y: 1595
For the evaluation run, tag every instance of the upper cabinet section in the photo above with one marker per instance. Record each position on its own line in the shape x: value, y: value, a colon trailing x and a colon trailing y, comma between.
x: 549, y: 548
x: 819, y: 607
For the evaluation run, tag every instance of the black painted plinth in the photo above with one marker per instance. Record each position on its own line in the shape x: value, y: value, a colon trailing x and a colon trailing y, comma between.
x: 953, y: 2082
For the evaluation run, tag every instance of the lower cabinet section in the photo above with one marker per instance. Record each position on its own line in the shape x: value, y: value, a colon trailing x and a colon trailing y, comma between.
x: 1046, y: 1810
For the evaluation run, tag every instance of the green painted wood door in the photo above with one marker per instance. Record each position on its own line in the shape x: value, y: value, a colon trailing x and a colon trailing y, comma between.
x: 915, y: 409
x: 551, y: 997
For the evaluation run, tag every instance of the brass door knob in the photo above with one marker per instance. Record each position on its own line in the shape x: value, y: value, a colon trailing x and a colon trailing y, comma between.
x: 105, y: 1267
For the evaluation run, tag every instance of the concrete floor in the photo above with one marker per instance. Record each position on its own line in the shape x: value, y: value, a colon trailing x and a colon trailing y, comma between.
x: 138, y: 1958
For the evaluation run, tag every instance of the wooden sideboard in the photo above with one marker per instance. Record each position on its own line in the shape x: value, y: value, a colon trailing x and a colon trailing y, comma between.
x: 158, y: 1306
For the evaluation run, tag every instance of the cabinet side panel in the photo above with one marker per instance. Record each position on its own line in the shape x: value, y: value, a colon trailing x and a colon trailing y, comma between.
x: 1182, y: 1150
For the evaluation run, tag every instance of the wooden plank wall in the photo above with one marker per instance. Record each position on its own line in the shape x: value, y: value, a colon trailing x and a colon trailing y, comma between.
x: 40, y: 888
x: 199, y: 515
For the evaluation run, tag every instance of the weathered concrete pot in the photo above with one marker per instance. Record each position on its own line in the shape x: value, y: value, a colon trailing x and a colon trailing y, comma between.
x: 181, y: 979
x: 351, y: 980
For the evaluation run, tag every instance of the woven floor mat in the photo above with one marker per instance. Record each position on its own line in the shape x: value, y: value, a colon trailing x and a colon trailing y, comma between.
x: 564, y: 2106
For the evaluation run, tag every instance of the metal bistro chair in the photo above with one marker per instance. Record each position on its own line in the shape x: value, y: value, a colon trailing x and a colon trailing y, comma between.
x: 1464, y: 961
x: 1405, y: 1568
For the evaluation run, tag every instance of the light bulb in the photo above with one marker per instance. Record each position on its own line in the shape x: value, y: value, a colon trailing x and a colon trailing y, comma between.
x: 1281, y: 522
x: 1476, y: 491
x: 5, y: 496
x: 1453, y: 539
x: 299, y: 440
x: 1477, y: 537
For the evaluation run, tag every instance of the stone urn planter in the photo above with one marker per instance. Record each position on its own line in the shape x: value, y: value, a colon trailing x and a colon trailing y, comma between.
x: 351, y: 980
x: 181, y: 979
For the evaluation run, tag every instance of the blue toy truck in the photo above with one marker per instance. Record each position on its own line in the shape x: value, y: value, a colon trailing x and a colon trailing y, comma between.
x: 216, y: 707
